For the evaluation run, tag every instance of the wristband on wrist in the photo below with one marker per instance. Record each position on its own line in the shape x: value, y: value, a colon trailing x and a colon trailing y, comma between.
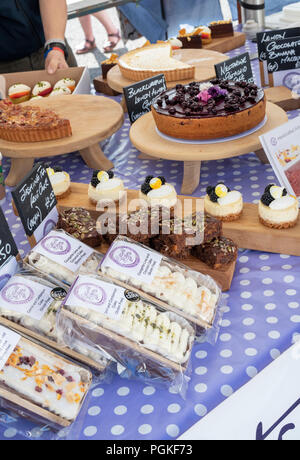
x: 58, y: 46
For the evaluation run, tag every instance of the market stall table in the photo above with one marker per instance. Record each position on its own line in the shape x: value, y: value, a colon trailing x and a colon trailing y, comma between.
x: 261, y: 319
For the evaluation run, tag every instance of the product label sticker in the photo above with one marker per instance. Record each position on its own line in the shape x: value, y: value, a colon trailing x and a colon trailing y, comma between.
x: 97, y: 295
x: 64, y: 250
x: 8, y: 341
x: 133, y: 260
x: 27, y: 297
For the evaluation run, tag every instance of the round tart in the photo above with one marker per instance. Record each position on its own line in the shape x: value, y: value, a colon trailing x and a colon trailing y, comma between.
x: 42, y: 88
x: 66, y: 83
x: 60, y: 182
x: 104, y: 187
x: 63, y: 91
x: 212, y: 110
x: 277, y: 209
x: 157, y: 192
x: 222, y: 203
x: 19, y: 93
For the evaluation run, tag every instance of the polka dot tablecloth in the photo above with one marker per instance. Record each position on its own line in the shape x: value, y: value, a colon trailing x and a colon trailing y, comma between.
x: 261, y: 321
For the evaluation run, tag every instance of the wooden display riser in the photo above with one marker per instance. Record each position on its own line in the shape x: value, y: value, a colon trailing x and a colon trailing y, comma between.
x: 79, y: 198
x: 92, y: 118
x: 144, y: 137
x: 223, y: 45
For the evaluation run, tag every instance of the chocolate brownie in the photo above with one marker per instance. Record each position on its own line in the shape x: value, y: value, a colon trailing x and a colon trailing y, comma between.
x: 79, y: 223
x: 171, y: 250
x: 108, y: 227
x: 221, y: 29
x: 218, y: 253
x: 191, y: 41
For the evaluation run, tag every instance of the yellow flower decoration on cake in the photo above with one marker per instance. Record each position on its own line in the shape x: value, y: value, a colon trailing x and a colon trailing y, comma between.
x: 155, y: 183
x: 221, y: 190
x: 276, y: 192
x: 102, y: 176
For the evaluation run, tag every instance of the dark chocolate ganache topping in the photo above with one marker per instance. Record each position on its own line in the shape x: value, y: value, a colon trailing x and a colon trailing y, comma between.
x: 211, y: 99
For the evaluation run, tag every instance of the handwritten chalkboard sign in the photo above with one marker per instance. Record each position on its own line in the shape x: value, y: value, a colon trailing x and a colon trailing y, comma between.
x: 283, y: 55
x: 266, y: 40
x: 140, y: 95
x: 34, y: 199
x: 236, y: 69
x: 8, y: 246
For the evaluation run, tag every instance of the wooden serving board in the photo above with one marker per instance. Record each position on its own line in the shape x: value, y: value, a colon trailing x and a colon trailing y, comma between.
x: 78, y: 198
x: 223, y: 45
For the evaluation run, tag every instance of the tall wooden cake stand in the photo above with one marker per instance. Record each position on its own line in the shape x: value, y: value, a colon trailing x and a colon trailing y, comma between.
x: 203, y: 60
x: 144, y: 136
x: 93, y: 119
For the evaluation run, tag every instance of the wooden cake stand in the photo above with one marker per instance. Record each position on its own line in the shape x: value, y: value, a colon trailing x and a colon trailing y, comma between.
x: 93, y: 119
x: 204, y: 61
x: 145, y: 138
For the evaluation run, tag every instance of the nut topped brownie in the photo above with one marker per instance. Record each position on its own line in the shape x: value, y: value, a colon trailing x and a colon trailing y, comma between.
x: 217, y: 253
x: 210, y: 110
x: 79, y: 223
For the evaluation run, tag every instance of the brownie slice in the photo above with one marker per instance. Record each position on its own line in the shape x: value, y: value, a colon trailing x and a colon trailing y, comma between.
x: 221, y: 29
x: 218, y: 253
x: 177, y: 251
x: 79, y: 223
x: 191, y: 41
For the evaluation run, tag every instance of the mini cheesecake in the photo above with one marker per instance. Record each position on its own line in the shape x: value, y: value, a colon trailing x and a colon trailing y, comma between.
x: 19, y: 93
x: 222, y: 203
x: 105, y: 188
x: 63, y: 91
x: 277, y: 209
x: 157, y: 192
x: 42, y: 88
x: 66, y: 83
x: 60, y: 181
x: 175, y: 43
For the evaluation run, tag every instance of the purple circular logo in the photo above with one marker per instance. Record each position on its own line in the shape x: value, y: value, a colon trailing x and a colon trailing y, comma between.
x: 56, y: 245
x: 49, y: 225
x: 125, y: 257
x: 90, y: 293
x: 292, y: 80
x: 17, y: 293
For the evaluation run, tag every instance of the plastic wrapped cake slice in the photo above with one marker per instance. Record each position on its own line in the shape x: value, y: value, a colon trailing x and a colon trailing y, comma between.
x: 46, y: 383
x: 59, y: 256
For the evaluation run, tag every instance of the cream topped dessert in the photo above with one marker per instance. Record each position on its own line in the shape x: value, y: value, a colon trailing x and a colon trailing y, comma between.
x: 19, y: 93
x: 157, y: 192
x: 222, y: 203
x: 63, y: 91
x: 277, y: 209
x: 42, y: 88
x: 105, y: 186
x: 66, y: 83
x: 60, y: 181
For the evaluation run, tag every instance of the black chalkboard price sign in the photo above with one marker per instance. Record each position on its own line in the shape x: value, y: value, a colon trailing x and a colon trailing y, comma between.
x: 283, y: 55
x: 8, y: 246
x: 236, y: 69
x: 140, y: 95
x: 34, y: 199
x: 266, y: 39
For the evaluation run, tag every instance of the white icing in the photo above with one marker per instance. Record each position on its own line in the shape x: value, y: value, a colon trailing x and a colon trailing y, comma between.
x: 61, y: 91
x: 161, y: 192
x: 175, y: 42
x: 40, y: 86
x: 283, y: 203
x: 110, y: 184
x: 65, y: 83
x: 58, y: 177
x: 18, y: 88
x: 231, y: 197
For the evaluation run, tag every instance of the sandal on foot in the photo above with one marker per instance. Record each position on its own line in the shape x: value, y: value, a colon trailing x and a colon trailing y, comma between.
x: 112, y: 45
x: 89, y: 45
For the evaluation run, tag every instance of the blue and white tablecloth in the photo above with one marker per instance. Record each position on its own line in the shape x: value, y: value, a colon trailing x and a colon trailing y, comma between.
x: 261, y: 321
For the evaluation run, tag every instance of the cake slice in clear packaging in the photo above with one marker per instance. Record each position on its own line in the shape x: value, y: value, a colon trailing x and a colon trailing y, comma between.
x: 39, y: 382
x: 189, y: 293
x: 151, y: 343
x: 60, y: 256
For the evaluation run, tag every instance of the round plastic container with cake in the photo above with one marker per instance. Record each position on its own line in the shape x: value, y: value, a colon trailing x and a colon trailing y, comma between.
x: 211, y: 110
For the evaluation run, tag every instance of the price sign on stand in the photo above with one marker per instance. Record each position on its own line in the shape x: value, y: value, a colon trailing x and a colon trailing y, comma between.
x: 35, y: 201
x: 236, y: 69
x: 8, y: 251
x: 265, y: 42
x: 140, y: 95
x: 283, y: 63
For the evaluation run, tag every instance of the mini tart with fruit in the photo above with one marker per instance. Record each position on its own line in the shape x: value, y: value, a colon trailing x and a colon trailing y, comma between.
x: 157, y: 192
x: 175, y: 43
x: 104, y: 187
x: 277, y: 209
x: 19, y: 93
x: 222, y: 203
x: 42, y: 88
x: 63, y: 91
x: 109, y: 64
x: 66, y: 83
x: 60, y: 181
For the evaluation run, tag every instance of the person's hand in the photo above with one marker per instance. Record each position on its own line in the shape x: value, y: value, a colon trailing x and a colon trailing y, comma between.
x: 54, y: 61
